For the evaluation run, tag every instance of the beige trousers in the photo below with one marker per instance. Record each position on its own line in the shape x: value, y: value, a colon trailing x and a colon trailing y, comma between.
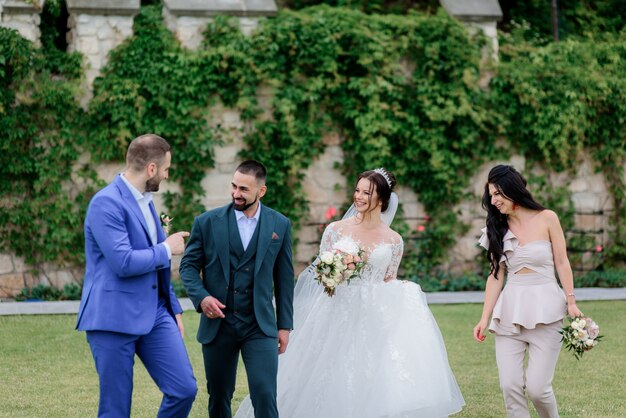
x: 543, y: 347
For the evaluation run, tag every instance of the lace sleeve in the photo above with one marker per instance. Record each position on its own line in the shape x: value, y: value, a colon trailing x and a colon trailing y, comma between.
x: 396, y: 256
x: 328, y: 237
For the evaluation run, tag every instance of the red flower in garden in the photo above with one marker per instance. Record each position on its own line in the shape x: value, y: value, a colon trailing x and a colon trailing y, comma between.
x: 599, y: 248
x: 421, y: 228
x: 331, y: 212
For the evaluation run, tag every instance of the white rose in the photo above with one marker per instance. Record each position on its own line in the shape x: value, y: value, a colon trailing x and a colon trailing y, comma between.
x: 331, y: 282
x: 582, y: 324
x: 589, y: 343
x: 347, y: 246
x: 327, y: 257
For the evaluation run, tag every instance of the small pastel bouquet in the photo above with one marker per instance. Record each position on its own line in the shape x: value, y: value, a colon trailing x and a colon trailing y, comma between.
x: 582, y: 334
x: 340, y: 264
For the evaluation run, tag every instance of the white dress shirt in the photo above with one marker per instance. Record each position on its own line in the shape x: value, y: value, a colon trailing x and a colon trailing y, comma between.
x: 247, y: 225
x: 143, y: 200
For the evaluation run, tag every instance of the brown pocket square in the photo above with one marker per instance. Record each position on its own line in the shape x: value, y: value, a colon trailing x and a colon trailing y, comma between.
x: 274, y: 235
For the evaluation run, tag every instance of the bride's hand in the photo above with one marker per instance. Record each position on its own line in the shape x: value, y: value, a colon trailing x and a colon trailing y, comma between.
x: 479, y: 330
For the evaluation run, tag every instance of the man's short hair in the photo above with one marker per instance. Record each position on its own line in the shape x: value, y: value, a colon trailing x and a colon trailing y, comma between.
x: 253, y: 168
x: 146, y: 149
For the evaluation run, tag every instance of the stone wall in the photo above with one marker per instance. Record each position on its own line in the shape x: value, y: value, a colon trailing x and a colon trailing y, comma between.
x: 23, y: 17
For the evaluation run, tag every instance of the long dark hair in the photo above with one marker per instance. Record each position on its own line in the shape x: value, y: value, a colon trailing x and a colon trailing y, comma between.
x: 510, y: 183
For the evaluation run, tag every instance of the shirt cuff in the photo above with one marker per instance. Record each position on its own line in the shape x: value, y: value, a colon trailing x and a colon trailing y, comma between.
x: 168, y: 249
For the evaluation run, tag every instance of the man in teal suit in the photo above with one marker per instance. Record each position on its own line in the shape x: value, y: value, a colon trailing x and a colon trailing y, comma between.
x: 237, y: 258
x: 128, y: 306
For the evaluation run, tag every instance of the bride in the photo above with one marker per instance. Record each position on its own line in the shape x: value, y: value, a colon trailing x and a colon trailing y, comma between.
x: 374, y: 348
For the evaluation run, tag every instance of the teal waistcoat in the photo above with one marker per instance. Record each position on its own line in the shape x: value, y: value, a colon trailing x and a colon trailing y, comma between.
x: 239, y: 301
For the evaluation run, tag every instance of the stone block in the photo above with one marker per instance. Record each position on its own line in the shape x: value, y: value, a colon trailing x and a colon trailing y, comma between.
x: 6, y: 264
x: 122, y: 24
x: 587, y: 201
x: 231, y: 119
x: 108, y: 171
x: 104, y: 7
x: 19, y: 7
x: 30, y: 280
x: 217, y: 186
x: 205, y: 8
x: 11, y: 285
x: 248, y: 25
x: 105, y: 32
x: 85, y: 29
x: 578, y: 185
x: 60, y: 278
x: 19, y: 264
x: 588, y: 222
x: 227, y: 154
x: 323, y: 183
x: 305, y: 253
x: 473, y: 10
x: 88, y: 45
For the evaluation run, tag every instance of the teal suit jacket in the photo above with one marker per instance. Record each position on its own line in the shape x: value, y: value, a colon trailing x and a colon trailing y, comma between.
x: 205, y: 269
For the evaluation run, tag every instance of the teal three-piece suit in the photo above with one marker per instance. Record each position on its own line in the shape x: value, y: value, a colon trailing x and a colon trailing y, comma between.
x: 247, y: 282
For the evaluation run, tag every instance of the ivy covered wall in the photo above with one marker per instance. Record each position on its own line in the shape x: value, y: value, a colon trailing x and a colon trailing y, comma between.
x: 397, y: 91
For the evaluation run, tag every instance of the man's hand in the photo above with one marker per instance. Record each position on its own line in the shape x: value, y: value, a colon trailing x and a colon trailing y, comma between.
x: 181, y: 327
x: 212, y: 307
x: 283, y: 340
x: 177, y: 242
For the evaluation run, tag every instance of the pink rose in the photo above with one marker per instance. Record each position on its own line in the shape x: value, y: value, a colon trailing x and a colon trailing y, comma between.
x: 593, y: 331
x: 357, y: 259
x: 351, y: 266
x: 348, y: 259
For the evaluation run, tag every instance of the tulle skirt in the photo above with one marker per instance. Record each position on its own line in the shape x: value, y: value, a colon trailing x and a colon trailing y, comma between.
x: 372, y: 350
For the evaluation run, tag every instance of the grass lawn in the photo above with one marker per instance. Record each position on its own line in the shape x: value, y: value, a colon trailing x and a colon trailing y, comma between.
x: 46, y: 368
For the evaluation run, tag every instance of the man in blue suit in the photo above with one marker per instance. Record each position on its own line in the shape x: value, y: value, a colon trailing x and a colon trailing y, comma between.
x: 239, y: 257
x: 128, y: 306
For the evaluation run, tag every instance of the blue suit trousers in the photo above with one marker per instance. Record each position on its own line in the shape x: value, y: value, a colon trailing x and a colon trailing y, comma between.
x: 163, y: 354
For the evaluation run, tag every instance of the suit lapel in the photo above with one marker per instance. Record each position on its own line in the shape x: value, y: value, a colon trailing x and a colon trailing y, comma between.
x: 160, y: 233
x: 219, y: 226
x: 266, y: 225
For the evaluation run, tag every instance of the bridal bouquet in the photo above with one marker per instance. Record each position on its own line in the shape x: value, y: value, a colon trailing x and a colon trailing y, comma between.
x: 582, y: 334
x: 341, y: 264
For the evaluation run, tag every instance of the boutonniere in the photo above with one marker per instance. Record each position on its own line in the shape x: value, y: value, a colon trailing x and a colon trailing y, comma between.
x: 165, y: 222
x: 274, y: 235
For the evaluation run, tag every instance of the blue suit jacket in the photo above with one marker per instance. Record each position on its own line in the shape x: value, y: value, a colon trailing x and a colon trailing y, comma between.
x: 205, y: 269
x: 121, y: 286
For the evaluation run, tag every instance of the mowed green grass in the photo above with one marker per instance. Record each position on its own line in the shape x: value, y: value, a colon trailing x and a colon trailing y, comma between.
x: 46, y: 368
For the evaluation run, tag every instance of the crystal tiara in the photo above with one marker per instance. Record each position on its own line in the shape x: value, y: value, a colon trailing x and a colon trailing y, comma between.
x: 383, y: 173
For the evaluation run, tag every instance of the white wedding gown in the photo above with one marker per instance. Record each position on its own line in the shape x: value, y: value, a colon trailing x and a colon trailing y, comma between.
x: 372, y: 350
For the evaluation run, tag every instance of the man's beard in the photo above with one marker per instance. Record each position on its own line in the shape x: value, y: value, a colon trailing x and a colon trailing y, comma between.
x: 244, y: 206
x: 152, y: 185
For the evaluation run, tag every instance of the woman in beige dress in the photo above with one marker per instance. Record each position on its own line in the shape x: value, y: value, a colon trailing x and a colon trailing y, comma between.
x: 525, y: 242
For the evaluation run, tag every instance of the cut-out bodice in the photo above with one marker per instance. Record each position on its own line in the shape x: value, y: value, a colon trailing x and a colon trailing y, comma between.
x: 536, y: 255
